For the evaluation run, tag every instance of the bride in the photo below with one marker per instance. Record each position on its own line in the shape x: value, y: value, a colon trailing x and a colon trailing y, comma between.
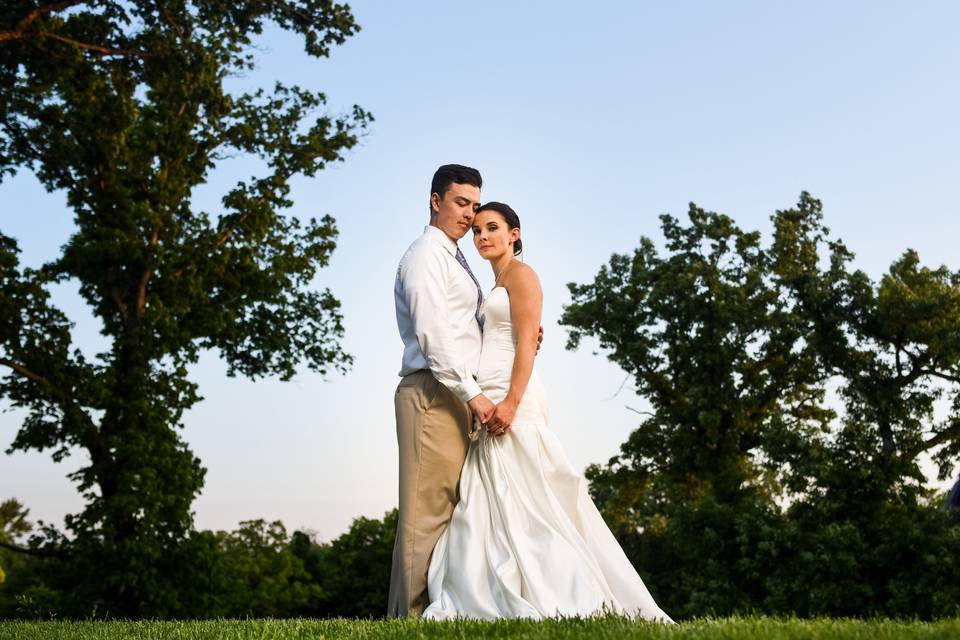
x: 525, y: 540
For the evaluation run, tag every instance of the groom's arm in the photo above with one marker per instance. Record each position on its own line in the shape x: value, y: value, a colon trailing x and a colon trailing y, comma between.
x: 423, y: 281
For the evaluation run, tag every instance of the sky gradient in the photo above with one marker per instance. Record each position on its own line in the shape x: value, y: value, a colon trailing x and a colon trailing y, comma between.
x: 590, y: 120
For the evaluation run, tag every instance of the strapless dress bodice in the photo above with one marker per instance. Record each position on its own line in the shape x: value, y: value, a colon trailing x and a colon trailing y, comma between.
x: 496, y: 359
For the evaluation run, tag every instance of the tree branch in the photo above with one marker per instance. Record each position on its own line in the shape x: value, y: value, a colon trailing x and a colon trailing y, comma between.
x: 643, y: 413
x: 118, y: 300
x: 22, y: 370
x: 19, y: 33
x: 896, y: 350
x: 147, y: 273
x: 31, y: 17
x: 916, y: 370
x: 229, y: 232
x: 223, y: 236
x: 67, y: 404
x: 96, y: 48
x: 942, y: 376
x: 951, y: 432
x: 33, y: 552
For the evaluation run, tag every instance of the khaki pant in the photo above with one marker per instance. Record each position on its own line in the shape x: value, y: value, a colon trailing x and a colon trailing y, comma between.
x: 432, y: 428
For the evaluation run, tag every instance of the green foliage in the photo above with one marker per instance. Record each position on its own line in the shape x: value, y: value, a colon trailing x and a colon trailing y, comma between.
x: 743, y: 490
x: 24, y: 594
x: 353, y: 571
x: 894, y: 344
x: 715, y: 347
x: 255, y: 571
x: 268, y: 579
x: 14, y: 567
x: 123, y: 107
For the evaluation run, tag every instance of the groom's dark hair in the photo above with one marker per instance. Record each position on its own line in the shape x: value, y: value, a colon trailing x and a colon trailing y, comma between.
x: 450, y: 173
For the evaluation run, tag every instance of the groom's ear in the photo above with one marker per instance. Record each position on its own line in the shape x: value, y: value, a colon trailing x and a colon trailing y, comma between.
x: 434, y: 204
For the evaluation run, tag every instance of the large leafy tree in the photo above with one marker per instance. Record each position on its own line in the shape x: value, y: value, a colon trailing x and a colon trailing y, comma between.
x: 894, y: 344
x: 871, y: 533
x: 123, y: 106
x: 743, y: 488
x: 716, y: 347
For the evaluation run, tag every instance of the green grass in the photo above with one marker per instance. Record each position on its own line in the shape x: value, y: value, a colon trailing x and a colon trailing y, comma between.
x: 748, y: 628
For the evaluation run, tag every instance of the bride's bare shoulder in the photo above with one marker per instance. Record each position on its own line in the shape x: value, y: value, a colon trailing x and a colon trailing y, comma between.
x: 523, y: 277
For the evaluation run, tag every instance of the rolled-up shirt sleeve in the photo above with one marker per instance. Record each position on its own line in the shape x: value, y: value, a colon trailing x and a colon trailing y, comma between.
x: 423, y: 280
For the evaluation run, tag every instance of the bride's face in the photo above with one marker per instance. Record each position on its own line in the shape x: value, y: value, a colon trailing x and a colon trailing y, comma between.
x: 492, y: 236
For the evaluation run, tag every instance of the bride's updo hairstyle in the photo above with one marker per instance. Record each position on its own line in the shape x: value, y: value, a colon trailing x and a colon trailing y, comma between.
x: 509, y: 216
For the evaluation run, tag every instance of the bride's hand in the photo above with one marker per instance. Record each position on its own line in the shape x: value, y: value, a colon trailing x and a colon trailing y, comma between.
x: 502, y: 418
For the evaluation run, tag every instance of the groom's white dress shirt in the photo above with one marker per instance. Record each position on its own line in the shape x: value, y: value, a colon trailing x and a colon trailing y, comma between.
x: 436, y: 302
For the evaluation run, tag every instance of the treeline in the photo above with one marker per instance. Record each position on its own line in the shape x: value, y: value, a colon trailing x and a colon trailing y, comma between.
x: 746, y: 487
x: 789, y: 400
x: 258, y: 570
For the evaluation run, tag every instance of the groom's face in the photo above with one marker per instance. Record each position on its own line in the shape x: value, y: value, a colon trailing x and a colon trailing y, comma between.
x: 453, y: 213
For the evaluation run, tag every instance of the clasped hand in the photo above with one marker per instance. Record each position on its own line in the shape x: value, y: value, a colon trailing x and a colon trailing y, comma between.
x: 496, y: 418
x: 502, y: 418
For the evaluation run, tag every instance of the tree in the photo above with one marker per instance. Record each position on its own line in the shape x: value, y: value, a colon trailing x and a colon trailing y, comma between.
x: 13, y: 524
x: 123, y: 106
x: 268, y: 579
x: 353, y: 571
x: 896, y: 346
x: 742, y: 489
x: 715, y: 346
x: 22, y: 591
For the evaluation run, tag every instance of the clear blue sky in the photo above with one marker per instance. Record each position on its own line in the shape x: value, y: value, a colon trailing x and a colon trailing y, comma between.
x: 590, y: 120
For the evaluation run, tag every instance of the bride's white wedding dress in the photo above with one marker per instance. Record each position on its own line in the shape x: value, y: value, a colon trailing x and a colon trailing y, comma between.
x: 526, y: 540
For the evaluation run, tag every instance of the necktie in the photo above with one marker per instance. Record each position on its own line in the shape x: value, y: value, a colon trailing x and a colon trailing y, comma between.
x: 463, y: 262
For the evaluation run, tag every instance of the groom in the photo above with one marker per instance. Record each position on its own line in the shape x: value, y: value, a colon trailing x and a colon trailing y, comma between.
x: 438, y: 313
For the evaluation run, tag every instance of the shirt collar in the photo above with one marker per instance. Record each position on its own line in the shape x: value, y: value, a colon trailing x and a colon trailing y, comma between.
x: 441, y: 238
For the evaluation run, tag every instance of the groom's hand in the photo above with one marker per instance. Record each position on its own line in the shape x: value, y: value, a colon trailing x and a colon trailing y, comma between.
x: 482, y: 408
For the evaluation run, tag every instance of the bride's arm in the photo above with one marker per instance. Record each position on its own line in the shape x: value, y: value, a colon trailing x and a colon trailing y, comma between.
x: 526, y: 305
